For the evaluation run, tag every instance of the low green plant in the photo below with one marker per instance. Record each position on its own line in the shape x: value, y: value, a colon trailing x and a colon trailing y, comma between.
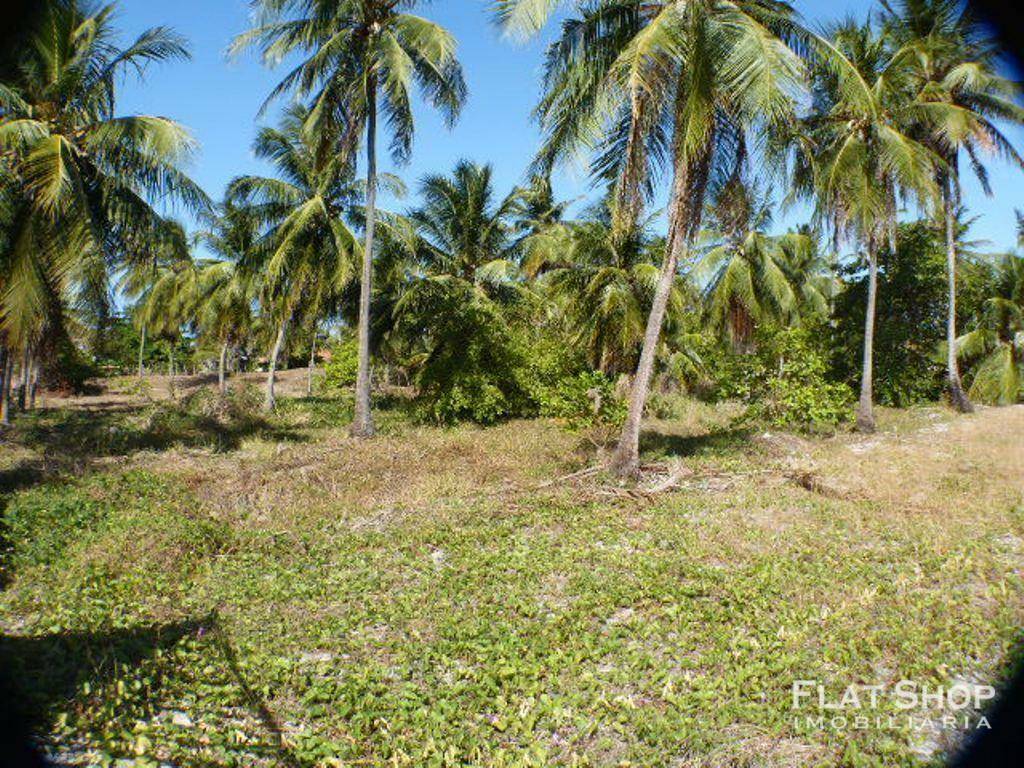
x: 785, y: 380
x: 340, y: 371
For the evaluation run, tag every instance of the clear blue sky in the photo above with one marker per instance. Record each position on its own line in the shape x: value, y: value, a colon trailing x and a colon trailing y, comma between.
x: 219, y: 99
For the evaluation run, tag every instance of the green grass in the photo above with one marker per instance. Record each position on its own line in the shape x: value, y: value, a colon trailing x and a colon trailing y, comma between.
x: 426, y: 600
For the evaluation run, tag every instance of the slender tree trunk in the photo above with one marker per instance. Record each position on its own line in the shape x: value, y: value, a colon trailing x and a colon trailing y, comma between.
x: 142, y: 350
x: 34, y: 384
x: 362, y: 422
x: 26, y: 363
x: 865, y: 413
x: 5, y: 388
x: 271, y: 401
x: 312, y: 364
x: 222, y: 383
x: 957, y: 397
x: 626, y: 459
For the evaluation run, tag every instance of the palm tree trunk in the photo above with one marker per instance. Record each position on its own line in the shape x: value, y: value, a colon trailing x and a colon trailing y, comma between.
x: 26, y: 363
x: 34, y: 384
x: 626, y: 459
x: 312, y: 364
x: 5, y: 388
x: 957, y: 397
x: 865, y: 413
x: 222, y: 383
x: 142, y: 349
x: 271, y: 401
x: 362, y: 422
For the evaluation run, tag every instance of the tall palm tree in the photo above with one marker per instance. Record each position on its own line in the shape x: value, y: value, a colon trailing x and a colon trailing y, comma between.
x: 309, y: 249
x: 78, y: 177
x: 689, y: 78
x: 997, y: 338
x: 959, y: 98
x: 859, y: 159
x: 362, y: 58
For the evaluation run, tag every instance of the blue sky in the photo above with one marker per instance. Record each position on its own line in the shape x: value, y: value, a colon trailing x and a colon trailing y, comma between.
x: 218, y: 100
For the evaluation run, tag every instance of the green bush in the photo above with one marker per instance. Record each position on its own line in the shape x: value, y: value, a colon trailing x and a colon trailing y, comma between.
x: 785, y: 380
x: 340, y: 372
x: 583, y: 399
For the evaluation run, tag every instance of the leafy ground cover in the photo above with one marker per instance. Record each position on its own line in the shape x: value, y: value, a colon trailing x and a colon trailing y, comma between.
x: 449, y: 597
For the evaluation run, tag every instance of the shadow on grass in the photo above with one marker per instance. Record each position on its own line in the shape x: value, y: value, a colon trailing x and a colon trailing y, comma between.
x: 1002, y: 742
x: 655, y: 444
x: 41, y: 676
x: 72, y: 441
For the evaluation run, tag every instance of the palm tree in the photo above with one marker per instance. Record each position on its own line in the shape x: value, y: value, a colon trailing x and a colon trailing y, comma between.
x: 690, y: 79
x: 227, y: 293
x: 154, y: 254
x: 459, y: 242
x: 958, y: 99
x: 603, y: 281
x: 362, y: 59
x: 464, y: 233
x: 78, y: 176
x: 859, y: 160
x: 309, y: 249
x: 997, y: 338
x: 750, y: 277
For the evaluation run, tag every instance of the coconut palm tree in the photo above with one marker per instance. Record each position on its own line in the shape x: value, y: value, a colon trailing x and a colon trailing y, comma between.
x: 309, y: 249
x: 227, y: 295
x: 362, y: 59
x: 958, y: 100
x: 859, y: 159
x: 154, y: 254
x: 464, y: 232
x: 689, y: 78
x: 78, y: 177
x: 997, y: 338
x: 603, y: 281
x: 750, y: 277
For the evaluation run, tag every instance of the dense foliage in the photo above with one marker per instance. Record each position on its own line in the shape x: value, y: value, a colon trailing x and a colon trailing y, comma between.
x: 494, y: 304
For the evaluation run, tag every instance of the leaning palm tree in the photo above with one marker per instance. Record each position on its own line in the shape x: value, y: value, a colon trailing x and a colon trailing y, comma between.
x: 78, y: 177
x: 680, y: 81
x: 997, y: 338
x: 959, y: 100
x: 362, y: 58
x: 307, y: 210
x: 860, y: 160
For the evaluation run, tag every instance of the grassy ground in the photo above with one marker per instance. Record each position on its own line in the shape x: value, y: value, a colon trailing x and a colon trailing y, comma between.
x: 200, y: 586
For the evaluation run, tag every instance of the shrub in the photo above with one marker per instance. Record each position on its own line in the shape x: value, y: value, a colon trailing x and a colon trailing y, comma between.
x: 340, y: 372
x: 785, y: 380
x: 583, y: 399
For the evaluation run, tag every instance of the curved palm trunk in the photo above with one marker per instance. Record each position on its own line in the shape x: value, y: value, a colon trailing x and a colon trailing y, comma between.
x: 271, y: 401
x: 957, y: 397
x: 362, y: 422
x: 865, y: 410
x: 222, y: 383
x: 626, y: 459
x: 142, y: 349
